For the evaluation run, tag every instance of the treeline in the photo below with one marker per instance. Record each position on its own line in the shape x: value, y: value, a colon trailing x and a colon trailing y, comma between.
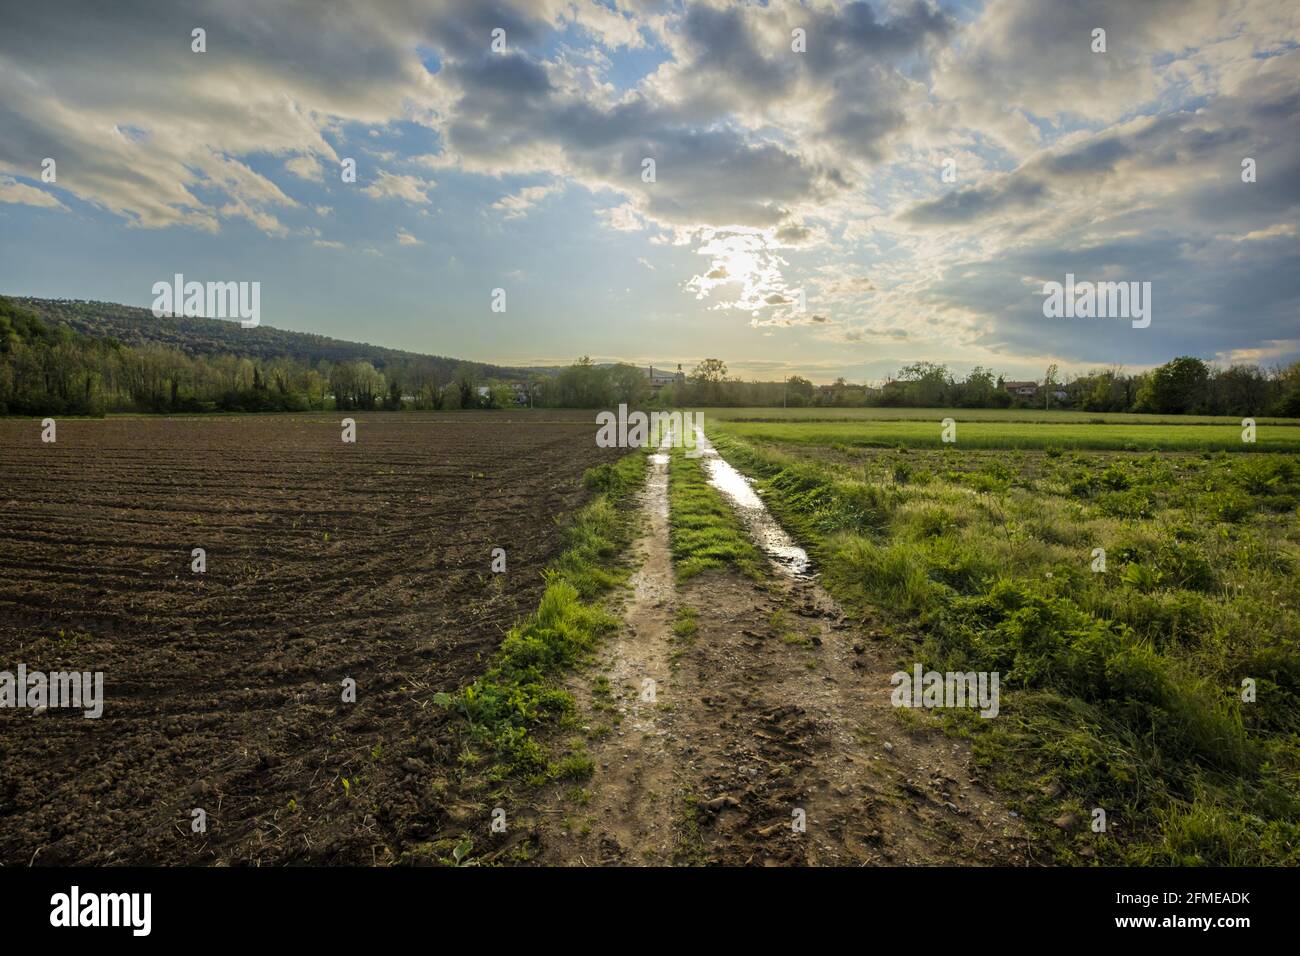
x: 1183, y: 386
x: 48, y: 369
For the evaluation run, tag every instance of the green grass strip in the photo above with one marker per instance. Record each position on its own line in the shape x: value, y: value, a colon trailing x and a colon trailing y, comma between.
x: 1025, y: 435
x: 518, y: 693
x: 703, y: 530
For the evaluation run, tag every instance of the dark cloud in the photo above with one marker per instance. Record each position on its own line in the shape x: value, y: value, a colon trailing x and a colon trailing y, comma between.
x: 977, y: 202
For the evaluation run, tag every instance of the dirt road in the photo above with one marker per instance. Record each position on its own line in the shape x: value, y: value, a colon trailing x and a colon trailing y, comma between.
x: 749, y: 723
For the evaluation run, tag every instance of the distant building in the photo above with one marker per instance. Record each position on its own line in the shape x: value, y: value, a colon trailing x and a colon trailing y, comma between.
x: 1022, y: 389
x: 659, y: 379
x: 844, y: 393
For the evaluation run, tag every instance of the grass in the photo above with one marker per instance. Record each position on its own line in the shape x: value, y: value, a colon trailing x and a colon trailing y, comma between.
x: 685, y: 623
x: 519, y: 693
x: 1122, y: 688
x: 976, y: 434
x: 703, y: 531
x: 1006, y: 415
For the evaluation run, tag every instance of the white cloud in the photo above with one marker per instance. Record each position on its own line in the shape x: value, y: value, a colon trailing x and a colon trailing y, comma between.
x: 12, y: 191
x: 518, y: 205
x: 410, y: 189
x: 306, y: 167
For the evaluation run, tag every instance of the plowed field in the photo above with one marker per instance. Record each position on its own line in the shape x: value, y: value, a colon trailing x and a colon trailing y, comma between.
x: 223, y: 689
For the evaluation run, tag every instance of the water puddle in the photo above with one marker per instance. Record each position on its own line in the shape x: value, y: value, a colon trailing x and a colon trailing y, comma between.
x: 758, y: 521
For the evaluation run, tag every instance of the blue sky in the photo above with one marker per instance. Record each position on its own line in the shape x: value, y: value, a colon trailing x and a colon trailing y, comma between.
x: 778, y: 172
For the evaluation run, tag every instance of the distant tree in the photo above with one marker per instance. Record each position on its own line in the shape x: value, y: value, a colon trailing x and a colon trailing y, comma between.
x: 799, y: 391
x: 465, y: 385
x: 1049, y: 384
x: 710, y: 371
x: 926, y: 384
x: 583, y: 385
x: 1288, y: 382
x: 707, y: 379
x: 1240, y: 390
x: 1179, y: 387
x: 501, y: 396
x: 630, y: 385
x: 979, y: 389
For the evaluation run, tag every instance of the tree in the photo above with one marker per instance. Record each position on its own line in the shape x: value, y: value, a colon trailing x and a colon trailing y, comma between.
x: 501, y: 396
x: 799, y: 391
x: 707, y: 379
x: 583, y: 385
x: 710, y: 371
x: 979, y: 389
x: 465, y: 385
x: 1288, y: 382
x: 630, y: 385
x: 926, y: 384
x: 1239, y: 390
x: 1176, y: 388
x: 1049, y: 385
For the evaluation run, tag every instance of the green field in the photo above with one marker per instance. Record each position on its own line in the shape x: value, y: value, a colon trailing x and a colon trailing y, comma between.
x: 1028, y: 415
x: 1002, y: 428
x: 1124, y: 687
x: 1027, y: 435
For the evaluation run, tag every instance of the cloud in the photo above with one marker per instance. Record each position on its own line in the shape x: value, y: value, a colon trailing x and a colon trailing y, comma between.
x: 12, y: 191
x: 785, y: 171
x: 412, y: 189
x: 518, y: 205
x: 406, y: 239
x: 306, y: 167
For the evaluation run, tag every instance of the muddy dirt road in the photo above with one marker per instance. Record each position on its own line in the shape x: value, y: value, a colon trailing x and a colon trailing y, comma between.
x: 769, y: 738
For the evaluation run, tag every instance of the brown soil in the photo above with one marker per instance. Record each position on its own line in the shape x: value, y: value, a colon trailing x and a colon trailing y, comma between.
x: 223, y: 690
x: 794, y: 715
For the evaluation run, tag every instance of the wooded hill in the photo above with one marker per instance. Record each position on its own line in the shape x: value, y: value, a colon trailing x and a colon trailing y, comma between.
x: 135, y: 327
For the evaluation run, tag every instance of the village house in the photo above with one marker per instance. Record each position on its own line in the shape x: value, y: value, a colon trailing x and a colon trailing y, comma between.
x: 659, y: 379
x: 844, y: 393
x: 1021, y: 389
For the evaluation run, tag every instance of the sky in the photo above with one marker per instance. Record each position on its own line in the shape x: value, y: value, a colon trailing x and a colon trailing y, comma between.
x: 838, y: 189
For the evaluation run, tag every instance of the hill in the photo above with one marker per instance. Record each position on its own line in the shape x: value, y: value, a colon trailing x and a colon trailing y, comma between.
x: 134, y: 327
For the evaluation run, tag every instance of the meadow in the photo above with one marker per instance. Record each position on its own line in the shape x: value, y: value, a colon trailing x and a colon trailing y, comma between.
x: 1142, y: 607
x: 1011, y: 430
x: 1005, y: 415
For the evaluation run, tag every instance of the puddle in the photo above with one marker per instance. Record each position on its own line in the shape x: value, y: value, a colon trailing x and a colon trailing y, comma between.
x: 758, y: 521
